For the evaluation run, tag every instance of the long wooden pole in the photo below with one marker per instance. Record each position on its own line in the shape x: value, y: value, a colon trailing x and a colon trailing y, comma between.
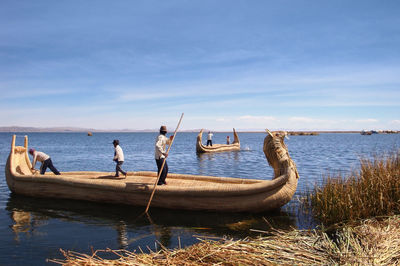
x: 162, y: 166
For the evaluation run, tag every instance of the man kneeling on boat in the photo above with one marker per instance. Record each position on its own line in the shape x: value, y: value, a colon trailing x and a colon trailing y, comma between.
x: 44, y: 159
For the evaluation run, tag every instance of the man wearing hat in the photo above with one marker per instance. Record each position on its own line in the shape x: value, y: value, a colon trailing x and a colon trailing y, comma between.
x: 44, y: 159
x: 118, y: 158
x: 161, y: 154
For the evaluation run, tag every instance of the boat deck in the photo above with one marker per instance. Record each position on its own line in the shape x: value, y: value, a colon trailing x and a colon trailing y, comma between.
x: 149, y: 178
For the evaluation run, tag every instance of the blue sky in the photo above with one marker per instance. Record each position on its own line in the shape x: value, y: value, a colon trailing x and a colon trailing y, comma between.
x: 293, y: 65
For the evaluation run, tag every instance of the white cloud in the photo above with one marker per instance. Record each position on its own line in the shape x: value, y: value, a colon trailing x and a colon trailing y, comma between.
x: 128, y: 97
x: 251, y: 118
x: 11, y: 93
x: 304, y: 120
x: 368, y: 120
x: 222, y: 119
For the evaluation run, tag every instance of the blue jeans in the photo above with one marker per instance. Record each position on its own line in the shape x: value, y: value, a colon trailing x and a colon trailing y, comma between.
x: 48, y: 163
x: 118, y: 168
x: 164, y: 172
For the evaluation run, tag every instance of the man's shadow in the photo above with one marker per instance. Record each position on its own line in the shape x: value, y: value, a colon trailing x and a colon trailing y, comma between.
x: 130, y: 184
x: 108, y: 177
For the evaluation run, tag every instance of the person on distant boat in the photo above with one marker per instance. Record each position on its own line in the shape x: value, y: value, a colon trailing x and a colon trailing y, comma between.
x: 228, y: 140
x: 209, y: 138
x: 44, y: 159
x: 118, y: 158
x: 160, y: 154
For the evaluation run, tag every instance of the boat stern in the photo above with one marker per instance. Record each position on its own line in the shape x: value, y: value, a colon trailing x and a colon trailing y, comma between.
x: 18, y: 163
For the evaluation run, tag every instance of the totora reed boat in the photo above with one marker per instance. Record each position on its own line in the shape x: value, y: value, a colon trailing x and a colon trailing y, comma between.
x: 189, y: 192
x: 235, y: 146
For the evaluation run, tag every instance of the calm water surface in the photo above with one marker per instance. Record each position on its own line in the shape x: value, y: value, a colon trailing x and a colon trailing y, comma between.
x: 32, y: 230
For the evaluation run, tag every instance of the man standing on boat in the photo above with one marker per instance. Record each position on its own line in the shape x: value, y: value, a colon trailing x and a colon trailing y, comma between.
x: 118, y: 158
x: 160, y: 154
x: 44, y: 159
x: 209, y: 138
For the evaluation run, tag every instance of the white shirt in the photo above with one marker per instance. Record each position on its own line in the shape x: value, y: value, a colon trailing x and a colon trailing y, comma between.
x: 39, y: 156
x: 209, y: 136
x: 160, y: 145
x: 119, y: 154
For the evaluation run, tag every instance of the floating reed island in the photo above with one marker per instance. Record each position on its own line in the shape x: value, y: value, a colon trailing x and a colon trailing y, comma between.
x: 373, y: 242
x: 188, y: 192
x: 370, y: 132
x: 302, y: 133
x: 234, y: 146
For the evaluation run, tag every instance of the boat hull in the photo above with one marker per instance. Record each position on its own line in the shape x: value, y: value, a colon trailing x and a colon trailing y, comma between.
x: 186, y: 192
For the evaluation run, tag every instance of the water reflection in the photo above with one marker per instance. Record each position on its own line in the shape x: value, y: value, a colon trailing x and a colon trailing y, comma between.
x: 22, y: 223
x: 216, y: 161
x: 25, y: 223
x: 122, y: 237
x: 164, y: 234
x: 130, y: 225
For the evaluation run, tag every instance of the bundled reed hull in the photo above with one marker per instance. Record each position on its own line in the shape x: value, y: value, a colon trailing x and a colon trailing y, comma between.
x: 200, y: 148
x: 189, y: 192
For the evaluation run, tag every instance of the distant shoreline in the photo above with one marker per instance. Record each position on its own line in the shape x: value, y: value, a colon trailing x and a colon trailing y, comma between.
x: 16, y: 129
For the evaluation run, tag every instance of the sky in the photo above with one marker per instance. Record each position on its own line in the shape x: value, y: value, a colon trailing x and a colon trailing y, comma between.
x: 249, y: 65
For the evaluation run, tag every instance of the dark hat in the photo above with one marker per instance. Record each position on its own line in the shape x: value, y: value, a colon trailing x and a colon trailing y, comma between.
x: 116, y: 141
x: 31, y: 151
x: 163, y: 128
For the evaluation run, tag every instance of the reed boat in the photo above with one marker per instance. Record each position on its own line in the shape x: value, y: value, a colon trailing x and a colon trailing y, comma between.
x: 200, y: 148
x: 187, y: 192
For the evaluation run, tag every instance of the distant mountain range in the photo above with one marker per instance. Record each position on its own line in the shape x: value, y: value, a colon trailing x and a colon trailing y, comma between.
x: 76, y: 129
x: 63, y: 129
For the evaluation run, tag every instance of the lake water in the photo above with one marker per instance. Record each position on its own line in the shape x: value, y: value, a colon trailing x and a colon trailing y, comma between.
x: 32, y: 230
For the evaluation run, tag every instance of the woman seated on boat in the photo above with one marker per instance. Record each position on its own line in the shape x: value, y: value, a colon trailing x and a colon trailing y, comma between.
x: 227, y: 140
x: 44, y: 159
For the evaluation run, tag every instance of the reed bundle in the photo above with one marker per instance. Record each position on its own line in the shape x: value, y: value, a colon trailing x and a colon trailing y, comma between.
x: 373, y: 242
x: 373, y: 190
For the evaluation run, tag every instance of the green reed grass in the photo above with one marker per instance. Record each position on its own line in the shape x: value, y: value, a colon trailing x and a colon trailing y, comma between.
x: 373, y: 190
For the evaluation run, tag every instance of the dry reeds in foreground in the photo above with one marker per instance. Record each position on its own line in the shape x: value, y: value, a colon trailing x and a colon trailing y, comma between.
x: 373, y: 242
x: 372, y: 191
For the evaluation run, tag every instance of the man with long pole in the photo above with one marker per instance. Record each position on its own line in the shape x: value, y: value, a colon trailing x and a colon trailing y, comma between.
x: 161, y: 157
x: 161, y: 154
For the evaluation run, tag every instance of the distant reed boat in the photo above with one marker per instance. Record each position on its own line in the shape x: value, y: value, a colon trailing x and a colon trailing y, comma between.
x: 90, y: 134
x: 200, y: 148
x: 364, y: 132
x: 188, y: 192
x: 302, y: 133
